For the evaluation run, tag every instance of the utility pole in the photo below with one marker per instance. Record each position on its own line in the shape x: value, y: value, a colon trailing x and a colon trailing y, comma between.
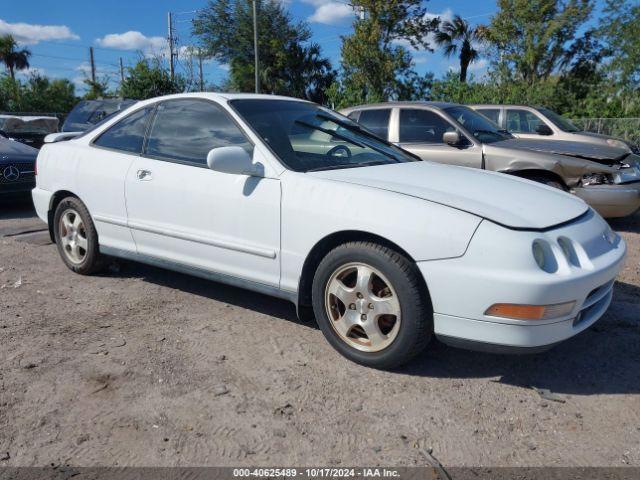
x: 200, y: 70
x: 93, y: 65
x: 121, y: 72
x: 170, y: 22
x: 255, y: 45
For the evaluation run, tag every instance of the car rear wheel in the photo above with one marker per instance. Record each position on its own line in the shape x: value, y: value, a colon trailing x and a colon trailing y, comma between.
x: 76, y: 237
x: 369, y: 304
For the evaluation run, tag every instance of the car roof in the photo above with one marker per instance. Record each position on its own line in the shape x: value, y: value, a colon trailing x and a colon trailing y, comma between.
x: 501, y: 105
x: 416, y: 103
x: 222, y: 97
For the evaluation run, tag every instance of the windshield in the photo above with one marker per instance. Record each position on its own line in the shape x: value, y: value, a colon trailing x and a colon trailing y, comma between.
x: 91, y: 112
x: 559, y: 121
x: 478, y: 125
x: 307, y: 137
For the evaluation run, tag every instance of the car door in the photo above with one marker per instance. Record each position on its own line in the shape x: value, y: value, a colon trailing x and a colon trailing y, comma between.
x: 523, y: 123
x: 101, y: 177
x: 420, y: 131
x: 181, y: 211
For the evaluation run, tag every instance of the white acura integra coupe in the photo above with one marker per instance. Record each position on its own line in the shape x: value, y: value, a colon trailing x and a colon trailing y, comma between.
x: 285, y: 197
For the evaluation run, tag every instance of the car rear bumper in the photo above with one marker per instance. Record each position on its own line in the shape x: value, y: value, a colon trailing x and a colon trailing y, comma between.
x: 611, y: 200
x: 494, y: 270
x: 41, y: 202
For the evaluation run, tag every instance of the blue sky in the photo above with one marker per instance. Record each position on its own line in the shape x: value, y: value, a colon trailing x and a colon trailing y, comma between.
x: 59, y: 36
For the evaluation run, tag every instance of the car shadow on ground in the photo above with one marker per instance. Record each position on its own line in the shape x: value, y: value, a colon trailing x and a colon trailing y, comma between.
x: 604, y: 359
x: 629, y: 224
x: 220, y: 292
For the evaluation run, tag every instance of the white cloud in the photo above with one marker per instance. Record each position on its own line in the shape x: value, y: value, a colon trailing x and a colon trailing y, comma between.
x: 329, y: 12
x: 31, y: 34
x: 28, y: 72
x: 133, y: 40
x: 480, y: 65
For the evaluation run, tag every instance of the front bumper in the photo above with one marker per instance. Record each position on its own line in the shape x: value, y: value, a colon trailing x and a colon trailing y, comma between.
x: 498, y: 267
x: 610, y: 201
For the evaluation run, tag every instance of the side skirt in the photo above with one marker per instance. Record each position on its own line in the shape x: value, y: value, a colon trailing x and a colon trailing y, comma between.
x: 201, y: 273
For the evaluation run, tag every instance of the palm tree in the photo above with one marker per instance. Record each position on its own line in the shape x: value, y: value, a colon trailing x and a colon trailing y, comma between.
x: 13, y: 58
x: 456, y: 35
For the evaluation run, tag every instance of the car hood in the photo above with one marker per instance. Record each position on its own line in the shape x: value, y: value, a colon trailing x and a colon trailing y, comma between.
x: 509, y: 201
x: 13, y: 151
x: 600, y: 153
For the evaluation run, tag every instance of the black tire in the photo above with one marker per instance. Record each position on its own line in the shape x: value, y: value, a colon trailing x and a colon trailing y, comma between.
x: 416, y: 326
x: 92, y: 261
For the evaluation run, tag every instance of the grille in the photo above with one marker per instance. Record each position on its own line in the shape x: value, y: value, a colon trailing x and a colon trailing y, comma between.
x: 594, y: 302
x: 26, y: 170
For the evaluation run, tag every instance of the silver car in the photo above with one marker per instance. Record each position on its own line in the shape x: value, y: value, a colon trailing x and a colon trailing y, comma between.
x: 544, y: 124
x: 606, y: 177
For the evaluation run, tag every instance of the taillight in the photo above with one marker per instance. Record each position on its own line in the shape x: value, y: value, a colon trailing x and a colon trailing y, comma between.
x: 35, y: 166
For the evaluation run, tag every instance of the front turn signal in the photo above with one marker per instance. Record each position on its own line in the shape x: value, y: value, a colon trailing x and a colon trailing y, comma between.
x: 530, y: 312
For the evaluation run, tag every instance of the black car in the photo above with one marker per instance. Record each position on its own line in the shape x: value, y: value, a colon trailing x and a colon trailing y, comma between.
x: 17, y: 166
x: 88, y: 113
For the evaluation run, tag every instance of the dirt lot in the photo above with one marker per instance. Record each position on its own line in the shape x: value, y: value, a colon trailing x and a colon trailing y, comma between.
x: 140, y: 366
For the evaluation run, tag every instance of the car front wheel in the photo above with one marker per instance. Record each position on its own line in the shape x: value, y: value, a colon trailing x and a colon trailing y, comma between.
x: 76, y: 237
x: 369, y: 303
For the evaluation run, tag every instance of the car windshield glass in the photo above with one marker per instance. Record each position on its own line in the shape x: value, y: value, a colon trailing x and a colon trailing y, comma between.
x: 307, y: 137
x: 559, y: 121
x: 478, y: 125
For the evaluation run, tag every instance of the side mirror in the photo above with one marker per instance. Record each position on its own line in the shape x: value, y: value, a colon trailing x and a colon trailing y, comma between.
x: 451, y: 138
x: 234, y: 160
x: 544, y: 129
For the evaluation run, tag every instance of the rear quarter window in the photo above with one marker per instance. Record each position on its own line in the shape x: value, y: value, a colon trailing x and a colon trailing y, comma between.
x: 376, y: 121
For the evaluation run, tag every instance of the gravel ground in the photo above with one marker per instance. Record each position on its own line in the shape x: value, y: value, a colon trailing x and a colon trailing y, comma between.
x: 139, y: 366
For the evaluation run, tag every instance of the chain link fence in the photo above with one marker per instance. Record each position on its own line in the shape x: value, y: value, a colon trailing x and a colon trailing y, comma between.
x: 626, y: 128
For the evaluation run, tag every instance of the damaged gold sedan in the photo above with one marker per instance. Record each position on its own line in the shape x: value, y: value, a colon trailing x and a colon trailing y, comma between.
x: 606, y: 177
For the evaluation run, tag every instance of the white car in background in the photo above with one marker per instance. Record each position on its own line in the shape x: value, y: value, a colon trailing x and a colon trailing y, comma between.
x: 287, y: 198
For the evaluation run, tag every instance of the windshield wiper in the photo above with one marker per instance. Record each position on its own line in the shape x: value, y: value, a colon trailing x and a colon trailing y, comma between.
x: 330, y: 132
x: 347, y: 165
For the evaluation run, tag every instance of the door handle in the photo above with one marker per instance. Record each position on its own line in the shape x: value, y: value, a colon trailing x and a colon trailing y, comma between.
x: 144, y: 175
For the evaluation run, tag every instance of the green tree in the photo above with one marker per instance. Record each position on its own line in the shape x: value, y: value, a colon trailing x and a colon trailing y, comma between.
x: 97, y: 89
x: 531, y: 38
x: 620, y: 29
x: 148, y: 79
x: 37, y: 94
x: 289, y: 63
x: 12, y: 57
x: 376, y: 62
x: 457, y: 36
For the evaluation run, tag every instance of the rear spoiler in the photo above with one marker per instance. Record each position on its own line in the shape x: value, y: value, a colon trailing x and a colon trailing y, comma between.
x: 61, y: 137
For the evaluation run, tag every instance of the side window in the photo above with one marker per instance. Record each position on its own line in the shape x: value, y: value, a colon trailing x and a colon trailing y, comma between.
x: 354, y: 115
x: 376, y: 121
x: 128, y: 134
x: 185, y: 131
x: 423, y: 126
x: 492, y: 114
x: 522, y: 121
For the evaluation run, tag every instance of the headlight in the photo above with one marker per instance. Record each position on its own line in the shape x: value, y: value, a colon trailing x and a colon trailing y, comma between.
x: 595, y: 179
x: 543, y: 255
